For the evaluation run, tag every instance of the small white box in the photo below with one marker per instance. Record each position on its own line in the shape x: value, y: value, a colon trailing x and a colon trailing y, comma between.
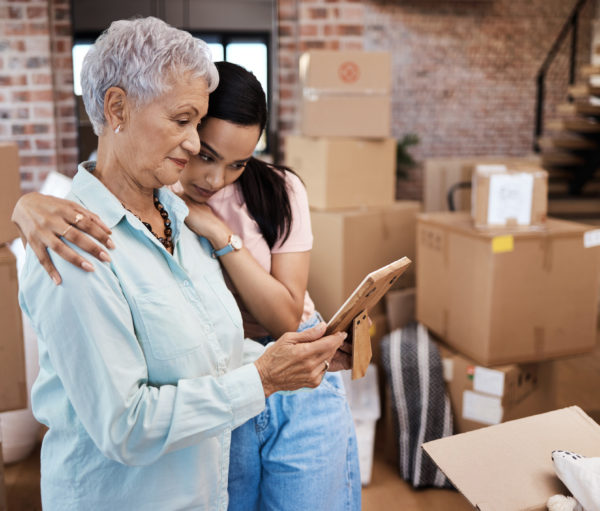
x: 363, y: 398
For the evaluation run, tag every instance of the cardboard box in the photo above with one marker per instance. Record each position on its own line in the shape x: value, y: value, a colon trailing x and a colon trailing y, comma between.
x: 10, y: 191
x: 344, y: 172
x: 439, y: 174
x: 13, y: 387
x: 508, y: 298
x: 400, y: 307
x: 509, y: 466
x: 346, y: 93
x: 348, y: 244
x: 483, y: 396
x: 502, y: 197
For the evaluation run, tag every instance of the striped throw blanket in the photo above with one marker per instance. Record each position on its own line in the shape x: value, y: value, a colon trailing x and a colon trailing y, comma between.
x: 421, y: 407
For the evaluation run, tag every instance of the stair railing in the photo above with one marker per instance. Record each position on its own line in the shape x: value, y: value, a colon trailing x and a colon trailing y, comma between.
x: 572, y: 26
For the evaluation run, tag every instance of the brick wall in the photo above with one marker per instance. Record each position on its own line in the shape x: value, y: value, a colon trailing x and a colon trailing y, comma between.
x: 37, y: 107
x: 464, y: 72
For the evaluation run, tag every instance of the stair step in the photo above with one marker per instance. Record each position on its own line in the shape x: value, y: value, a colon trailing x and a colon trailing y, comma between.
x: 562, y: 187
x: 589, y: 70
x: 567, y: 206
x: 557, y: 158
x: 578, y: 125
x: 567, y: 141
x: 583, y: 90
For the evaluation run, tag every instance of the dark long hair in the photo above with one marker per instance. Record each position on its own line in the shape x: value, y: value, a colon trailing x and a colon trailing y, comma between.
x: 240, y: 99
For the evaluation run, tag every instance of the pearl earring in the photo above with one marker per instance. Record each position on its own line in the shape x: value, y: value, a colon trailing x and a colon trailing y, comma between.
x: 118, y: 129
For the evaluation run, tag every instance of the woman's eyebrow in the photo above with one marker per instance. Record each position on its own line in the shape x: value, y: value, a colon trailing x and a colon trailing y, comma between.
x: 215, y: 153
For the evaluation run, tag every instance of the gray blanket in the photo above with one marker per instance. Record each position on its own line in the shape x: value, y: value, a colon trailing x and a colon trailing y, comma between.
x: 421, y: 407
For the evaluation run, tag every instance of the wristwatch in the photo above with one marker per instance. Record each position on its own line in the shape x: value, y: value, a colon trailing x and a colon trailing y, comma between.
x: 234, y: 243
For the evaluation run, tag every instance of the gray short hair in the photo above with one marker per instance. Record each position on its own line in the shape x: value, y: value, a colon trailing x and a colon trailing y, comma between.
x: 141, y: 56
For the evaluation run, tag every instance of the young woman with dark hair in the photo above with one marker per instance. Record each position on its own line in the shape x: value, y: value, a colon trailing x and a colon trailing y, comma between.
x: 301, y: 452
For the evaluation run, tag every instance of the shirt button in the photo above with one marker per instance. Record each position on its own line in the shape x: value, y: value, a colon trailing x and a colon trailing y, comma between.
x: 186, y: 283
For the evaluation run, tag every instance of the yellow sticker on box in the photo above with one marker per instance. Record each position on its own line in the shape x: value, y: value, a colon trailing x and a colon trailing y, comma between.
x: 504, y: 243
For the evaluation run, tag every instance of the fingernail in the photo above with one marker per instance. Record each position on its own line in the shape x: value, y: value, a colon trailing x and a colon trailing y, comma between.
x: 110, y: 244
x: 344, y: 334
x: 55, y: 279
x: 87, y: 266
x: 104, y: 257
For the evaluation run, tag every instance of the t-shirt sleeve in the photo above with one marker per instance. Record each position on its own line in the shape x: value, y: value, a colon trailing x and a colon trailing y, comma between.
x: 300, y: 238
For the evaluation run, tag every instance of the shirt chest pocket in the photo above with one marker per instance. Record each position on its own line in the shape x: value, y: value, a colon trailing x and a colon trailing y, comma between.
x: 167, y: 324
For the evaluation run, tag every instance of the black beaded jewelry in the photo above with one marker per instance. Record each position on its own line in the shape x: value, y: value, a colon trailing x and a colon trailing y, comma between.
x: 167, y: 240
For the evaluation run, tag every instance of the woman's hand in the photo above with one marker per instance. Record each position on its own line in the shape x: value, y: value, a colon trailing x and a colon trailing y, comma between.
x: 298, y: 359
x: 43, y: 220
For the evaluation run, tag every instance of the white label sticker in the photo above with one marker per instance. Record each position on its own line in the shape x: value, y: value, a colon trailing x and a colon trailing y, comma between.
x: 488, y: 381
x: 481, y: 408
x: 591, y: 238
x: 510, y: 197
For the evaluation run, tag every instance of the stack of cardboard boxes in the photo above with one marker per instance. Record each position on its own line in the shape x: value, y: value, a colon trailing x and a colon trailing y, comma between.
x: 347, y: 160
x: 13, y: 388
x: 506, y: 290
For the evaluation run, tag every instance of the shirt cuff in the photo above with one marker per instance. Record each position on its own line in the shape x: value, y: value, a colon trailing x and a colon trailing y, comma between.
x: 245, y: 391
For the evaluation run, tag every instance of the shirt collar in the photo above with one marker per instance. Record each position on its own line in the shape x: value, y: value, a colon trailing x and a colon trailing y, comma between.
x: 97, y: 198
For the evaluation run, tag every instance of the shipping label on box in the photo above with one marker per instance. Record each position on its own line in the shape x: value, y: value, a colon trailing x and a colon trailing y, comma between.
x: 344, y: 172
x: 503, y: 197
x: 523, y: 297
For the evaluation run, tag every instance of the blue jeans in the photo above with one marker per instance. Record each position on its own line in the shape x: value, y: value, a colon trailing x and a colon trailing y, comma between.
x: 299, y: 454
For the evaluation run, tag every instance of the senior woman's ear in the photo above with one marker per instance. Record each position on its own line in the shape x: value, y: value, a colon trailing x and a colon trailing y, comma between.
x: 115, y: 108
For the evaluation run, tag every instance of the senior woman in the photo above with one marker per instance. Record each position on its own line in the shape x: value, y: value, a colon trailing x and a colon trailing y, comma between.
x: 144, y: 371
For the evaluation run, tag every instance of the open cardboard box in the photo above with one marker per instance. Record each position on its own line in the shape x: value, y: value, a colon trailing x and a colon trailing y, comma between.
x: 509, y: 466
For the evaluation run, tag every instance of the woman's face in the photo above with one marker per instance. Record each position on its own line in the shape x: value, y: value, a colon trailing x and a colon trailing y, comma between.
x: 161, y: 137
x: 225, y: 149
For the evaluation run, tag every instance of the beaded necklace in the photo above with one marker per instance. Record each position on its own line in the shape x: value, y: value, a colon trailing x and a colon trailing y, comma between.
x: 167, y: 241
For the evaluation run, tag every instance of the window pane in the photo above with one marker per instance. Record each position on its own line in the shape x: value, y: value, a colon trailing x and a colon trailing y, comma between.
x: 217, y: 51
x: 252, y: 56
x: 79, y: 52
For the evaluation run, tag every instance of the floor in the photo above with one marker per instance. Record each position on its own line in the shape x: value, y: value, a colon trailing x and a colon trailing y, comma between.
x: 577, y: 380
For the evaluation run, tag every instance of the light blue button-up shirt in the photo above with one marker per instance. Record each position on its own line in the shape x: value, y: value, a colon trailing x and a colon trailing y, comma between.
x: 144, y: 371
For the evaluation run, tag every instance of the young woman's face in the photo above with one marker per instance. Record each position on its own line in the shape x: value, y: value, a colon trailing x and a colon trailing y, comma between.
x: 225, y: 149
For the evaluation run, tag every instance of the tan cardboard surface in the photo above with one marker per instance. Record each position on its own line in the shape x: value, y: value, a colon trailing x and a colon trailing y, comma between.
x: 344, y: 172
x: 481, y: 396
x: 508, y: 466
x: 481, y: 196
x: 349, y: 72
x: 502, y: 298
x: 439, y: 174
x: 10, y: 191
x: 341, y: 116
x: 13, y: 388
x: 400, y: 307
x: 349, y: 244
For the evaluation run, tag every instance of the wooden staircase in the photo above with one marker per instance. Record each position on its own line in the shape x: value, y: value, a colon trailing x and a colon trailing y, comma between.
x: 570, y: 152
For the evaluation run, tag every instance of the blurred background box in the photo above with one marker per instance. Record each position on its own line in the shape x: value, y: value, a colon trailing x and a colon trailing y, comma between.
x: 441, y: 173
x: 400, y: 307
x: 349, y: 244
x: 509, y: 197
x: 345, y: 93
x: 13, y: 387
x: 10, y: 191
x: 508, y: 298
x: 482, y: 396
x: 344, y: 172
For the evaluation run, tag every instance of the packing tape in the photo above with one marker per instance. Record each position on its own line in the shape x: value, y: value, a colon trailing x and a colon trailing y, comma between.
x: 313, y: 93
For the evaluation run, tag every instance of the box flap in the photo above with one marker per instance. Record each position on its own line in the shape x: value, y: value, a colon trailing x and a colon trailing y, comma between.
x: 509, y: 466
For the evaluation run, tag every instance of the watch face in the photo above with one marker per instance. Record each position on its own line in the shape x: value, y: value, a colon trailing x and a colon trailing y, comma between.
x: 236, y: 242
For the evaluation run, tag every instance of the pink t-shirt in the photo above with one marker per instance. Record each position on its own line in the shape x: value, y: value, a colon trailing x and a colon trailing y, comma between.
x: 229, y: 205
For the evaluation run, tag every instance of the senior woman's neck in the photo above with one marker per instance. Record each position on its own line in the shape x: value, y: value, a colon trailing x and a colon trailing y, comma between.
x: 122, y: 178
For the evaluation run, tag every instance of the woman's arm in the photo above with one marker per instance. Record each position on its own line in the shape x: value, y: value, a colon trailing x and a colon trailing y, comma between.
x: 276, y: 299
x: 44, y: 221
